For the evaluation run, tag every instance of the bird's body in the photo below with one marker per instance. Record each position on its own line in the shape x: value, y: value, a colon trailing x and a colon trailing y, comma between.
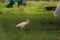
x: 23, y: 24
x: 57, y: 11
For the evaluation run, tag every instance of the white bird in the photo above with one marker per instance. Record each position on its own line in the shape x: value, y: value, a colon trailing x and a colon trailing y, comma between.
x: 57, y: 11
x: 23, y: 24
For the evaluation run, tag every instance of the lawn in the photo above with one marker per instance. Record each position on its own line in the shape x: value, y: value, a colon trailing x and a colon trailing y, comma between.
x: 43, y: 26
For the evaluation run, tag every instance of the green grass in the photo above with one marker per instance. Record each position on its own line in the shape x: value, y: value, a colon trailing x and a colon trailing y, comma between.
x: 43, y: 24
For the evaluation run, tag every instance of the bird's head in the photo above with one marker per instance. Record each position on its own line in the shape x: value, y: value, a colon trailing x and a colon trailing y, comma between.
x: 27, y: 21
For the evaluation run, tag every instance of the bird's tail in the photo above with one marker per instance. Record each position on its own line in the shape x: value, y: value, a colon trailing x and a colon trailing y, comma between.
x: 16, y: 25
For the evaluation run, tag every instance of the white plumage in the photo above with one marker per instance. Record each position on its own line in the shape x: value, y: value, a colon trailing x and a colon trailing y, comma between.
x: 23, y: 24
x: 57, y: 11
